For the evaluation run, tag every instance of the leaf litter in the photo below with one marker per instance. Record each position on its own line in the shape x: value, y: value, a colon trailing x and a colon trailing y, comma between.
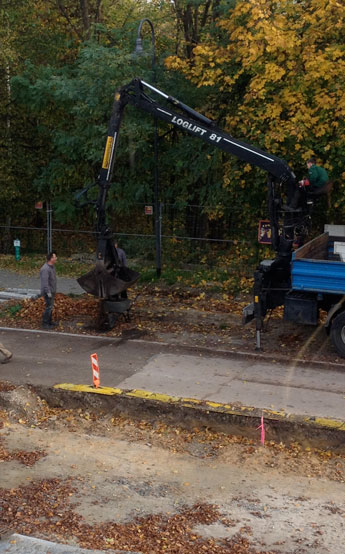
x: 178, y: 315
x: 48, y: 507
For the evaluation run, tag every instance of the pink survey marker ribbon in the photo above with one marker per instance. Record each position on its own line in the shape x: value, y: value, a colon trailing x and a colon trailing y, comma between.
x: 262, y: 427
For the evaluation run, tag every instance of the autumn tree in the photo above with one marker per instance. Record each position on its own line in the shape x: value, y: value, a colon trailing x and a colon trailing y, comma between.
x: 278, y: 81
x: 67, y: 103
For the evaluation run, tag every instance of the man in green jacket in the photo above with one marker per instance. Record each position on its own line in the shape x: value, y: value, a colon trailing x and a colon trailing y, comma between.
x: 316, y: 180
x: 317, y: 175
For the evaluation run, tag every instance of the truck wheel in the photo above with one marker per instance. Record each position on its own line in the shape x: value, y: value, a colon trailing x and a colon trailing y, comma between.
x: 338, y: 333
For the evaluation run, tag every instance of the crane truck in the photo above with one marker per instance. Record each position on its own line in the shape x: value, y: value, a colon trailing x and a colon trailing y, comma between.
x: 274, y: 280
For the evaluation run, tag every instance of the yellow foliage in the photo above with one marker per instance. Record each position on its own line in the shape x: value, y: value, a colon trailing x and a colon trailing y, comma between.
x: 291, y: 57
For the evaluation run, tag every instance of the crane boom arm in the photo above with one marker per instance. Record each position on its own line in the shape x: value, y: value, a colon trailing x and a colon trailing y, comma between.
x: 193, y: 123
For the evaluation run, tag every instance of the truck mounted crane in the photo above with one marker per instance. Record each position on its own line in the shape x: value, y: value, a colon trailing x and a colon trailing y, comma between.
x: 272, y: 279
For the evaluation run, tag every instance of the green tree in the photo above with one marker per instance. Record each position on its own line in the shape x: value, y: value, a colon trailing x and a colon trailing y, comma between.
x: 61, y: 90
x: 67, y: 107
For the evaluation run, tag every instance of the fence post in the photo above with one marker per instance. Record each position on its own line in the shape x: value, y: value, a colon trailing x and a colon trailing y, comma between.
x: 158, y: 234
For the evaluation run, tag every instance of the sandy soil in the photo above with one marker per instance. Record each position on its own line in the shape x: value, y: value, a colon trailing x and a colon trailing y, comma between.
x: 106, y: 483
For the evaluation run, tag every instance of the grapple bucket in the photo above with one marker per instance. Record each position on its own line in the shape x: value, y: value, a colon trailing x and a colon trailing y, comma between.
x: 102, y: 283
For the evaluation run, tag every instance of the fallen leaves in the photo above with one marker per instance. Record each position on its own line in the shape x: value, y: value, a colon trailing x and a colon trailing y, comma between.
x: 188, y: 316
x: 64, y: 307
x: 6, y: 386
x: 44, y: 508
x: 22, y: 456
x: 203, y: 443
x: 155, y: 311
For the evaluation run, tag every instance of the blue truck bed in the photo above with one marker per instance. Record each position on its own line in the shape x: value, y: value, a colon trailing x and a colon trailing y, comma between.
x: 315, y: 267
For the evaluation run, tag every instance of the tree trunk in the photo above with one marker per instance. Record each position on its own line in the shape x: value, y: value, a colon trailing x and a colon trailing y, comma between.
x: 84, y: 8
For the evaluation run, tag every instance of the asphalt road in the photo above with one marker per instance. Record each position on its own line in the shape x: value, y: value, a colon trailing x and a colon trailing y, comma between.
x: 49, y: 358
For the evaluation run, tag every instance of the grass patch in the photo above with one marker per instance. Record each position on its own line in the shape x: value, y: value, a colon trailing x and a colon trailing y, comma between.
x: 11, y: 310
x: 31, y: 265
x: 28, y: 265
x: 215, y: 280
x: 230, y: 278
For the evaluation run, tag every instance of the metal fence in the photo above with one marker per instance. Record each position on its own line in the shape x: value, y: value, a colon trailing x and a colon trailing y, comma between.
x: 189, y: 235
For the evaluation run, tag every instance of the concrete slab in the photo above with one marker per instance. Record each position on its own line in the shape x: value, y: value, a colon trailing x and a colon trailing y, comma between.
x: 294, y: 390
x: 288, y: 375
x: 291, y: 400
x: 184, y: 375
x: 20, y: 544
x: 18, y: 294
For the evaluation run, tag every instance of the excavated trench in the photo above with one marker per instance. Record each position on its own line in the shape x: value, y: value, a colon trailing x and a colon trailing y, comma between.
x: 83, y: 474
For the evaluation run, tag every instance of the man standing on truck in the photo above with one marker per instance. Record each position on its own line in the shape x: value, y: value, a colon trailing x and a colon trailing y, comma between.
x: 315, y: 183
x: 48, y: 289
x: 317, y: 177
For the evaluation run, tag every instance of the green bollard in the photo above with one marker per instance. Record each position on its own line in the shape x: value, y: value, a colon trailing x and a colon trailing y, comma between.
x: 16, y: 244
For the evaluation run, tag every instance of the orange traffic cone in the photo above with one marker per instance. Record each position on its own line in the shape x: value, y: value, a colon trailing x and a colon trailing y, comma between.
x: 95, y: 371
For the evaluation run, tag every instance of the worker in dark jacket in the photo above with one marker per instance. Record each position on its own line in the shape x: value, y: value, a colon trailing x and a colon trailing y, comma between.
x: 121, y: 254
x: 123, y: 263
x: 48, y: 289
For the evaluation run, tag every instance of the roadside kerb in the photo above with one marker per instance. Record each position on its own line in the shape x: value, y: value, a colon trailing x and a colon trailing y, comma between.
x: 232, y: 419
x: 22, y: 544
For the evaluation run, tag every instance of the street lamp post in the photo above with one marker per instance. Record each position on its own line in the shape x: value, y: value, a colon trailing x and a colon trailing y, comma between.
x: 49, y: 226
x: 139, y: 50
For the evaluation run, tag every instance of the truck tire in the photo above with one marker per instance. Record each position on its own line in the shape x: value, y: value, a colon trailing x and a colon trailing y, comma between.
x: 338, y: 333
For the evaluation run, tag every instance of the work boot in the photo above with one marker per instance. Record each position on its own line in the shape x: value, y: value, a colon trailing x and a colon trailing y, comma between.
x: 7, y: 359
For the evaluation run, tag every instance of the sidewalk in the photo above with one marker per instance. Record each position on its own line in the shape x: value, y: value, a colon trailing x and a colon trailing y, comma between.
x: 10, y: 279
x: 238, y: 382
x: 20, y: 544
